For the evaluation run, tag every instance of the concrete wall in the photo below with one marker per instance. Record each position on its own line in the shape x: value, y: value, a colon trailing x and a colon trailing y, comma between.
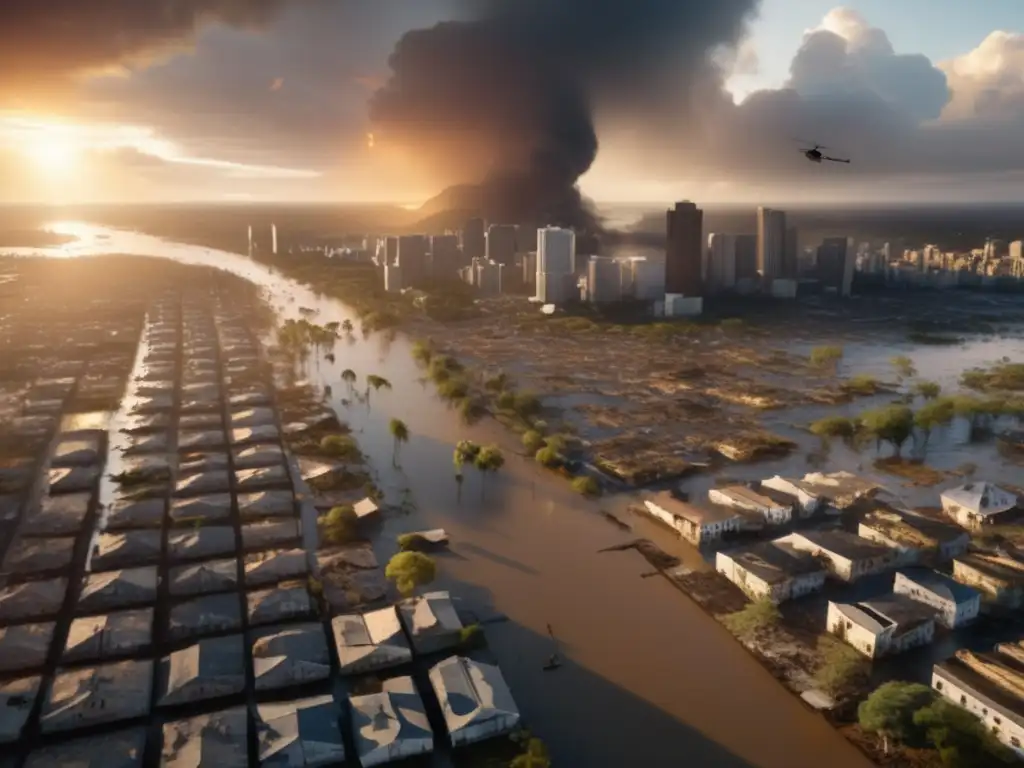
x: 1004, y: 729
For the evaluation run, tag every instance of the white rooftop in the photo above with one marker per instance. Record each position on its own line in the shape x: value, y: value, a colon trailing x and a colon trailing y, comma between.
x: 392, y: 724
x: 303, y: 733
x: 474, y: 698
x: 983, y: 499
x: 368, y: 641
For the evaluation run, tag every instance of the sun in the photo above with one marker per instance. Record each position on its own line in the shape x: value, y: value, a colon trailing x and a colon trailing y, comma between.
x: 52, y: 155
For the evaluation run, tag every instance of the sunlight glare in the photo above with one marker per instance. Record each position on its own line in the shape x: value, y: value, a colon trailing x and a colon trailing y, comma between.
x: 53, y: 155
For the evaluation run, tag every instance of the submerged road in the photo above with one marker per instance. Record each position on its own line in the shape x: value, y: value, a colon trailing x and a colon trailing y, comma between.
x: 648, y: 678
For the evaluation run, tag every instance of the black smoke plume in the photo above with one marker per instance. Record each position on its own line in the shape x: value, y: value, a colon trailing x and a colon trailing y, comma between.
x: 509, y: 97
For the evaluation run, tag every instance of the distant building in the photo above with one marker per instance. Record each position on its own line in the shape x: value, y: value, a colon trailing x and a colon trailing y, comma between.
x: 956, y: 603
x: 556, y: 262
x: 474, y: 240
x: 530, y: 268
x: 412, y: 258
x: 488, y: 276
x: 998, y: 576
x: 501, y: 244
x: 917, y: 539
x: 746, y: 499
x: 393, y: 278
x: 604, y: 280
x: 831, y: 269
x: 976, y: 505
x: 841, y: 489
x: 746, y: 257
x: 647, y: 279
x: 882, y: 627
x: 771, y: 243
x: 721, y: 272
x: 807, y: 500
x: 391, y: 250
x: 695, y: 524
x: 684, y: 256
x: 989, y: 685
x: 790, y: 254
x: 475, y: 700
x: 445, y: 257
x: 848, y: 557
x: 771, y: 570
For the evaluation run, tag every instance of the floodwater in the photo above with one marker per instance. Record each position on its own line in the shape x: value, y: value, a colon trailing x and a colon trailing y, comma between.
x: 649, y: 679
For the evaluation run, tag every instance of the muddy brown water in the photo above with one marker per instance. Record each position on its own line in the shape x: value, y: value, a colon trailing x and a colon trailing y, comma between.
x: 649, y: 679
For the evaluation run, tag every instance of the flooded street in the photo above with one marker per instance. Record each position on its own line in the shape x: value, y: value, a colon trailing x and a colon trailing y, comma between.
x: 649, y: 679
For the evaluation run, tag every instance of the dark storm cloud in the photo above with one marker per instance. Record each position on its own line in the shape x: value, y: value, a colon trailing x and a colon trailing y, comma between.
x: 511, y: 94
x: 44, y: 42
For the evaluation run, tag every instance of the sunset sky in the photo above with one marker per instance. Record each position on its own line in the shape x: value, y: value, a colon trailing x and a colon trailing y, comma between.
x: 118, y: 100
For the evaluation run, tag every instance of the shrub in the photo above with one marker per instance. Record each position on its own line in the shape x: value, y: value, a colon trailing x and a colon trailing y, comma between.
x: 340, y: 525
x: 586, y: 486
x: 841, y: 669
x: 410, y: 570
x: 411, y: 542
x: 527, y: 404
x: 549, y: 457
x: 757, y: 618
x: 826, y: 357
x: 834, y: 426
x: 472, y: 637
x: 506, y: 401
x: 340, y: 446
x: 533, y: 441
x: 929, y: 390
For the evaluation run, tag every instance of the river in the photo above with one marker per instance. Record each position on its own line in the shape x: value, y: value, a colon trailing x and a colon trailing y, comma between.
x: 649, y: 679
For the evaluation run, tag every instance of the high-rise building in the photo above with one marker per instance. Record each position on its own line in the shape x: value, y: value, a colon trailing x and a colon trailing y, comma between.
x: 391, y: 250
x: 790, y: 260
x: 501, y: 243
x: 604, y: 280
x: 392, y: 278
x: 412, y: 258
x: 746, y: 257
x: 488, y: 276
x: 474, y: 240
x: 556, y: 260
x: 445, y: 256
x: 647, y: 279
x: 721, y: 261
x: 530, y: 268
x: 684, y: 256
x: 832, y: 258
x: 771, y: 243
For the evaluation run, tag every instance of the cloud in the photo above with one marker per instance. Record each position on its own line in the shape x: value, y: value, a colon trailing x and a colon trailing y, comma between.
x: 988, y: 82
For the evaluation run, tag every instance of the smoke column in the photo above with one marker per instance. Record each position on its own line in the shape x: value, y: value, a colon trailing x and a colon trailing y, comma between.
x: 508, y: 98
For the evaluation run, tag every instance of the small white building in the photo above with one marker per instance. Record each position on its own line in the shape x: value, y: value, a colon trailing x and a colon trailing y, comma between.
x: 392, y: 724
x: 847, y: 557
x: 475, y: 700
x: 882, y: 627
x: 916, y: 538
x: 956, y: 604
x: 695, y: 524
x: 771, y: 570
x: 743, y: 498
x: 977, y: 504
x: 370, y: 641
x: 998, y: 576
x: 432, y: 622
x: 807, y: 499
x: 989, y: 685
x: 841, y: 489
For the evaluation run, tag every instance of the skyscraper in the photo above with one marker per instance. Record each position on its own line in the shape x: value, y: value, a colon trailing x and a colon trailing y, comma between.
x: 556, y: 257
x: 721, y: 261
x: 746, y: 257
x: 412, y: 258
x: 445, y: 257
x: 771, y: 243
x: 604, y: 280
x: 832, y: 257
x: 684, y: 256
x: 474, y: 245
x: 790, y: 260
x: 501, y: 243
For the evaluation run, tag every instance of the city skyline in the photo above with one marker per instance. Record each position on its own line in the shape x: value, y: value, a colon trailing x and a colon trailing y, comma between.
x: 263, y: 105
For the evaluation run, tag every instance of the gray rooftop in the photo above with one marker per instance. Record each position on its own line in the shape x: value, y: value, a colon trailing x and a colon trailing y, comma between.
x: 774, y: 562
x: 471, y: 694
x: 391, y: 724
x: 939, y: 584
x: 207, y: 669
x: 845, y: 544
x: 369, y: 641
x: 78, y: 698
x: 686, y: 511
x: 299, y: 734
x: 123, y: 749
x: 290, y: 655
x: 217, y: 740
x: 889, y: 611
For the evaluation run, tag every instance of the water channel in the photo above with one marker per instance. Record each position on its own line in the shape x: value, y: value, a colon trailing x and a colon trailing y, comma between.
x: 649, y: 679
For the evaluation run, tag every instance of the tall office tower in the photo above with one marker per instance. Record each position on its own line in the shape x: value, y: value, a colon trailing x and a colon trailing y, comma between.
x: 1017, y: 250
x: 501, y: 243
x: 684, y: 256
x: 648, y: 279
x: 556, y: 258
x: 445, y: 257
x: 746, y: 257
x: 721, y: 261
x: 790, y: 249
x: 412, y: 258
x: 771, y: 243
x: 832, y: 258
x: 604, y: 280
x: 392, y: 278
x: 488, y: 276
x: 474, y: 240
x: 530, y: 268
x: 886, y: 253
x: 391, y: 250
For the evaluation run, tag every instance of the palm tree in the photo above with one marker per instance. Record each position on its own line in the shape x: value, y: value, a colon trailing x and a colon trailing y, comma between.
x: 347, y: 326
x: 349, y: 377
x: 400, y: 433
x: 465, y: 453
x: 377, y: 382
x: 488, y: 459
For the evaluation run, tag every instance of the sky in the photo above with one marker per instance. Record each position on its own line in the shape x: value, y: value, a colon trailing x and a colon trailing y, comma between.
x: 235, y: 100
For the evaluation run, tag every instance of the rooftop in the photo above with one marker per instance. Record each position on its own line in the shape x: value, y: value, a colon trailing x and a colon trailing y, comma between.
x: 996, y: 566
x: 774, y: 562
x: 842, y: 543
x: 205, y: 670
x: 685, y: 511
x: 391, y: 724
x: 742, y: 493
x: 889, y: 612
x: 471, y: 693
x: 372, y: 640
x: 93, y: 695
x: 433, y: 612
x: 290, y: 655
x: 218, y: 739
x: 299, y: 733
x: 939, y: 584
x: 983, y: 498
x: 122, y: 749
x: 990, y: 693
x: 910, y: 529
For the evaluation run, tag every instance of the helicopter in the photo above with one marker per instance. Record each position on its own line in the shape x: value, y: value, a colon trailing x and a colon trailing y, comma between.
x: 815, y: 155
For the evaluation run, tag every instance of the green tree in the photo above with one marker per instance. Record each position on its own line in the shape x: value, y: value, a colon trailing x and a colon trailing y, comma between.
x: 400, y: 434
x: 376, y: 382
x: 934, y: 413
x: 892, y: 424
x: 349, y: 377
x: 340, y: 525
x: 586, y: 486
x: 755, y: 619
x: 904, y: 366
x: 548, y: 457
x: 960, y: 737
x: 929, y: 390
x: 533, y: 441
x: 834, y: 426
x: 842, y: 668
x: 534, y: 755
x: 826, y: 357
x: 488, y: 459
x: 889, y: 711
x: 340, y: 446
x: 410, y: 570
x: 346, y: 325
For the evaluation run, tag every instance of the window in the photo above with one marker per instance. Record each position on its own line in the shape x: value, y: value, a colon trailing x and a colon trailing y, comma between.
x: 997, y: 721
x: 984, y: 710
x: 963, y: 701
x: 938, y: 686
x: 1015, y: 741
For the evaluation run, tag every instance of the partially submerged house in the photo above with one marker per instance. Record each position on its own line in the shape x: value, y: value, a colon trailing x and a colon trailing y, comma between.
x: 956, y: 604
x: 916, y: 538
x: 475, y: 700
x: 697, y: 525
x: 370, y: 641
x: 303, y: 733
x: 292, y: 654
x: 989, y: 685
x: 841, y: 489
x: 121, y: 749
x: 881, y: 627
x: 807, y: 499
x: 431, y: 621
x: 976, y: 505
x: 743, y: 498
x: 205, y: 670
x: 365, y: 509
x: 773, y: 570
x: 847, y: 557
x: 220, y: 739
x: 1000, y: 577
x: 392, y: 724
x: 107, y: 693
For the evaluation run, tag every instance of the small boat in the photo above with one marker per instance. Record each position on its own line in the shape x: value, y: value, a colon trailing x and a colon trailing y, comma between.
x: 553, y: 663
x: 1012, y: 438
